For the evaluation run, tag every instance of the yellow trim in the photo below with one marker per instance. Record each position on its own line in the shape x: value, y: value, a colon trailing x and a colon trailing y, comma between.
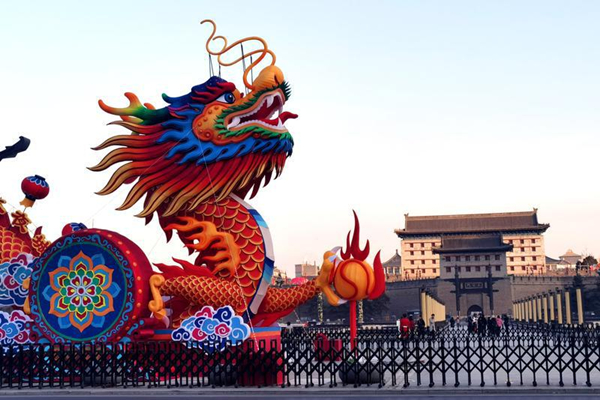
x: 156, y: 305
x: 26, y: 306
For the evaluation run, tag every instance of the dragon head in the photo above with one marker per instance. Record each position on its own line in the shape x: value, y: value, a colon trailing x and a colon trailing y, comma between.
x: 207, y: 144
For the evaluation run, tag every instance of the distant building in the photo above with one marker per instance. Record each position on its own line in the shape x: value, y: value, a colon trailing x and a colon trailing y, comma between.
x: 422, y: 234
x: 392, y: 268
x: 473, y: 268
x: 306, y: 270
x: 279, y: 275
x: 473, y: 256
x: 552, y: 264
x: 569, y: 259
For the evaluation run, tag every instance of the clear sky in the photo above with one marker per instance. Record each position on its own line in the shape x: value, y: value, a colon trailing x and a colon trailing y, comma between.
x: 420, y: 107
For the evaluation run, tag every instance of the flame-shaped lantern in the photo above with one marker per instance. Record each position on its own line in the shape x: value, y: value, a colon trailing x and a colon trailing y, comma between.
x: 35, y: 188
x: 352, y: 277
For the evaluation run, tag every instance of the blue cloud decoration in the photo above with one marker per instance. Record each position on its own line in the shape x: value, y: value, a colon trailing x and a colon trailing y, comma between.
x: 212, y: 330
x: 12, y: 275
x: 14, y: 329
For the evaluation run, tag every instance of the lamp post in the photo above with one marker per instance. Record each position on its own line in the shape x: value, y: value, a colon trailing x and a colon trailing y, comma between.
x: 320, y: 307
x: 568, y: 306
x: 579, y: 306
x: 423, y: 301
x: 551, y: 305
x: 559, y: 313
x: 545, y: 306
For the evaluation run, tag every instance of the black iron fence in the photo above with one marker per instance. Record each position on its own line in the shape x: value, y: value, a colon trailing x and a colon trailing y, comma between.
x: 390, y: 332
x: 521, y: 355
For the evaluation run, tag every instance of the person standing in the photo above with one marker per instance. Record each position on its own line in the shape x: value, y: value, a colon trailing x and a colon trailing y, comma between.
x: 404, y: 326
x: 421, y: 326
x: 491, y: 325
x: 499, y: 324
x: 481, y: 325
x: 432, y: 324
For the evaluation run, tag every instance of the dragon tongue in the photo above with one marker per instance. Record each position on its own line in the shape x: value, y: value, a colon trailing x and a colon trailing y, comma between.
x: 287, y: 115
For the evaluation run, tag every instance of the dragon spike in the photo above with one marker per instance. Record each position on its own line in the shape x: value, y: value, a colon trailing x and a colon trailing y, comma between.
x: 134, y: 109
x: 353, y: 247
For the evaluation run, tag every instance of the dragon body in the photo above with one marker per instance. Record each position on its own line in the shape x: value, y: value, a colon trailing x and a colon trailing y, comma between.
x: 193, y: 162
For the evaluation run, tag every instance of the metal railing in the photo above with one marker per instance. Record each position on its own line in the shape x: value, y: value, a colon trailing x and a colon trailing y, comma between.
x: 519, y: 355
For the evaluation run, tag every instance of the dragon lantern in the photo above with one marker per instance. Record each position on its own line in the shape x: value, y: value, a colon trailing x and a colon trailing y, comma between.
x: 191, y: 164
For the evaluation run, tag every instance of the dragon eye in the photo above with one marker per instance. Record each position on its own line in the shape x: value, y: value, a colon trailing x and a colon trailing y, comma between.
x: 226, y: 98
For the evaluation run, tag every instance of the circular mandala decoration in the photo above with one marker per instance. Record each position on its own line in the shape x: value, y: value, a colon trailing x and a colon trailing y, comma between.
x: 90, y: 285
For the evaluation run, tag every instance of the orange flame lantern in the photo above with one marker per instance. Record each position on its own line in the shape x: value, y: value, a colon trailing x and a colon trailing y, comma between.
x: 352, y: 277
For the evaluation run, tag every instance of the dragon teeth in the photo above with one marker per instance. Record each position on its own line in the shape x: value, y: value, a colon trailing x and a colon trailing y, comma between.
x: 234, y: 122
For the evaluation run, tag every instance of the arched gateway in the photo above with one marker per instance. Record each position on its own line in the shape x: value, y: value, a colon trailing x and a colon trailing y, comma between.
x: 475, y: 309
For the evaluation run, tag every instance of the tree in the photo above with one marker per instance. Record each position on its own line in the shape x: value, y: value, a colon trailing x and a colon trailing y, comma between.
x: 589, y: 260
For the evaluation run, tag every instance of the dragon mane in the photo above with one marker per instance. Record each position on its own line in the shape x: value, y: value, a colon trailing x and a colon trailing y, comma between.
x: 170, y: 164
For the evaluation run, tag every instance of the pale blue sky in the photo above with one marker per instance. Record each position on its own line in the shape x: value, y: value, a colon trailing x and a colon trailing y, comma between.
x: 426, y: 107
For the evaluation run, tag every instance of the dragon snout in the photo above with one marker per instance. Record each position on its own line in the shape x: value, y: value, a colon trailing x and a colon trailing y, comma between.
x: 267, y: 78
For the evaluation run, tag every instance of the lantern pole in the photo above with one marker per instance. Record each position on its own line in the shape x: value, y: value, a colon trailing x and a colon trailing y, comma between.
x: 352, y: 323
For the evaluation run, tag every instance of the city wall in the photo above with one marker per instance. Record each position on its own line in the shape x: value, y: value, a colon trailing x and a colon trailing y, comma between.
x: 404, y: 297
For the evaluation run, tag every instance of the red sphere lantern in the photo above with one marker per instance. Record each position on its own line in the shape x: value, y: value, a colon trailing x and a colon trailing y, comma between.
x: 35, y: 188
